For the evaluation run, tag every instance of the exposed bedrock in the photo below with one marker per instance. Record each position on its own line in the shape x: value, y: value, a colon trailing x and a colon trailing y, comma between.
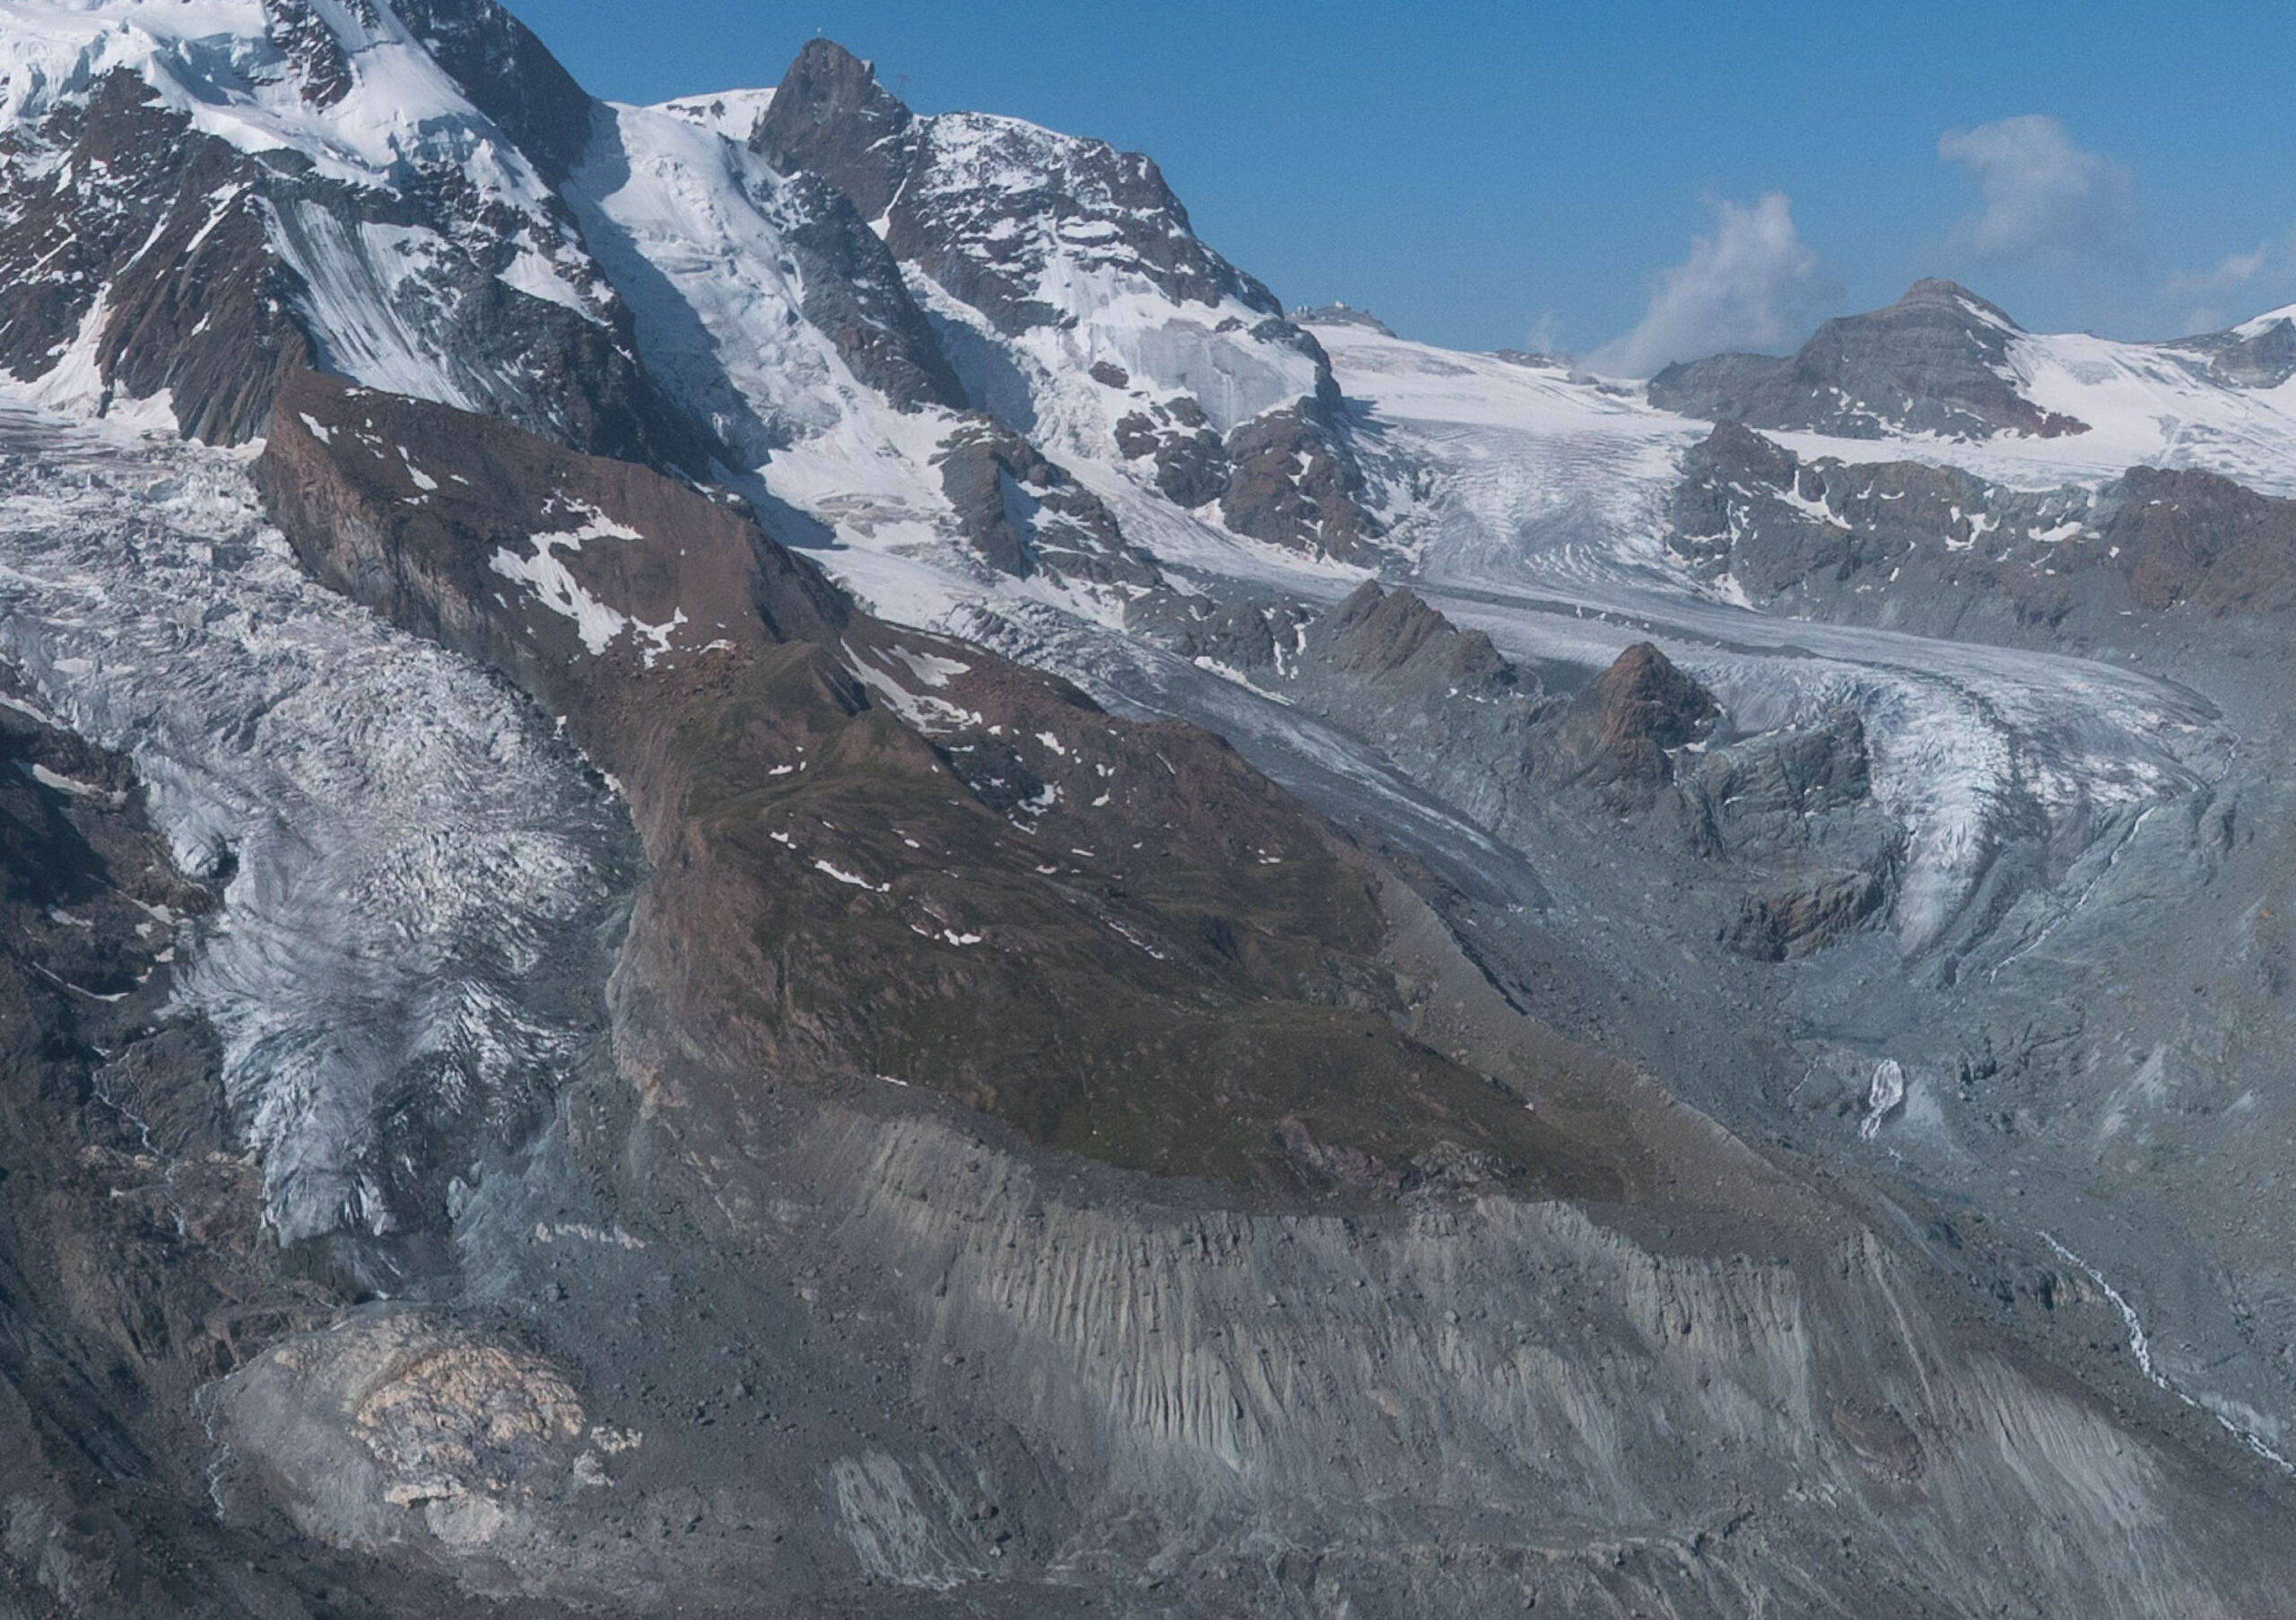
x: 1935, y: 362
x: 1936, y: 550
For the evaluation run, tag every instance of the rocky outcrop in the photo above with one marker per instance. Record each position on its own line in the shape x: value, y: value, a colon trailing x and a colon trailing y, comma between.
x: 1941, y: 551
x: 1440, y: 702
x: 1935, y: 362
x: 1342, y: 315
x: 855, y: 293
x: 2261, y: 353
x: 1191, y: 465
x: 1446, y: 705
x: 1285, y: 477
x: 507, y: 548
x: 1022, y: 514
x: 830, y: 117
x: 320, y: 65
x: 402, y: 1423
x: 1294, y: 484
x: 1618, y: 736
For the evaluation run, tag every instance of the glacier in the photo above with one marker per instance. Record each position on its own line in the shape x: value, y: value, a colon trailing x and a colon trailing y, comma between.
x: 421, y: 882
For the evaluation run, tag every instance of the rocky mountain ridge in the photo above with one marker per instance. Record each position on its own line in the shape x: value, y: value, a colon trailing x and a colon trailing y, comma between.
x: 1904, y: 545
x: 1933, y: 363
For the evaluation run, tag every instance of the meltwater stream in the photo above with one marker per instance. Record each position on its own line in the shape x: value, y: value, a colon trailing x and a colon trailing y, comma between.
x: 421, y: 882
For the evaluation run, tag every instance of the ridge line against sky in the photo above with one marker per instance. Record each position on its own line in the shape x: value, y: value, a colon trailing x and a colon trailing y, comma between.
x: 1634, y: 184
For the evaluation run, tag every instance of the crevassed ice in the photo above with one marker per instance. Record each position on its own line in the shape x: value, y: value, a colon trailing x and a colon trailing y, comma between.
x: 424, y: 879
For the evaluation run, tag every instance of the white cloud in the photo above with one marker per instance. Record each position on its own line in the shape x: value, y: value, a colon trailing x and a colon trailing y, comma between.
x: 2041, y: 195
x: 2203, y: 296
x: 1751, y: 284
x: 2233, y: 272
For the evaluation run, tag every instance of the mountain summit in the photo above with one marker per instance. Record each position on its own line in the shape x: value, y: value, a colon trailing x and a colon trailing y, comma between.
x: 1935, y: 362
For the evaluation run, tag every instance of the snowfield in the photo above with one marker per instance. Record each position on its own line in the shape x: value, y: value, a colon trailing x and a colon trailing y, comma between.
x: 2146, y: 405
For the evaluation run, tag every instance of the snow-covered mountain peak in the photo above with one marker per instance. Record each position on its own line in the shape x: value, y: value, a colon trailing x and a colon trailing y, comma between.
x: 999, y: 211
x: 1041, y: 212
x: 1079, y: 307
x: 347, y: 86
x: 1936, y: 293
x: 2269, y: 321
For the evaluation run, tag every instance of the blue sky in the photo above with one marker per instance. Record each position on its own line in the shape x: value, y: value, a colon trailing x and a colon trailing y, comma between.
x: 1630, y: 180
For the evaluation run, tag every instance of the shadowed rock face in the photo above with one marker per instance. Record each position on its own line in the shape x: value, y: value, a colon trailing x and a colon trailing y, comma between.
x: 1389, y: 665
x: 507, y: 74
x: 1021, y: 513
x: 1796, y: 806
x: 1929, y: 363
x: 1773, y: 841
x: 1901, y: 543
x: 854, y: 292
x: 203, y: 322
x: 830, y: 117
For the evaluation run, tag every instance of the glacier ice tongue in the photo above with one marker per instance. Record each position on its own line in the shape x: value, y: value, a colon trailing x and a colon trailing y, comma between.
x: 421, y: 882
